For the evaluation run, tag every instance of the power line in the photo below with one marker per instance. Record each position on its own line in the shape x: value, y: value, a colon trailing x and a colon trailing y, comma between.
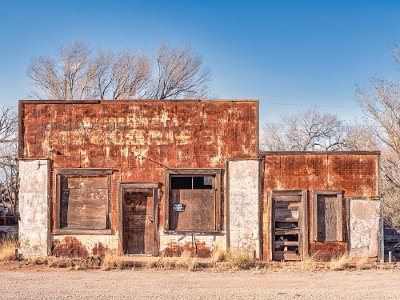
x: 309, y: 105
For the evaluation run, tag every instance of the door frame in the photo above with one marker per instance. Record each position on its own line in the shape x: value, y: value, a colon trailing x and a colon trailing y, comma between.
x: 303, y: 219
x: 137, y: 185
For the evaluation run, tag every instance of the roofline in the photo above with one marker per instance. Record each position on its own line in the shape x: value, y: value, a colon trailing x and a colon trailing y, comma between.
x: 265, y: 153
x: 22, y: 101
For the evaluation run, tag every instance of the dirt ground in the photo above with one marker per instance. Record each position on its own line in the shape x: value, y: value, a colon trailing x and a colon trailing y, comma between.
x: 64, y: 284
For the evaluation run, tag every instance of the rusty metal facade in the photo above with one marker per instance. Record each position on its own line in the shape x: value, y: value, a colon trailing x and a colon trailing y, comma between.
x: 356, y: 174
x: 137, y: 139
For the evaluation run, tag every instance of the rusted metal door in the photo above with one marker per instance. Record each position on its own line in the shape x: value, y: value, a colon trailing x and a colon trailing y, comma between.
x: 138, y: 220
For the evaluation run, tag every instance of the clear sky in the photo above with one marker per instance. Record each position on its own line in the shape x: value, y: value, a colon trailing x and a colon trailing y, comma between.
x: 287, y: 54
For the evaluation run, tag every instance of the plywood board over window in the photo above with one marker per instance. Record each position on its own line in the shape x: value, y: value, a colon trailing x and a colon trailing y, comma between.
x: 327, y: 216
x: 193, y: 200
x: 83, y: 201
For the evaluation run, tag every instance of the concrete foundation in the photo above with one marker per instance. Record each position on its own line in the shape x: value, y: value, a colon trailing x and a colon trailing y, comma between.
x: 364, y: 228
x: 244, y: 204
x: 34, y: 207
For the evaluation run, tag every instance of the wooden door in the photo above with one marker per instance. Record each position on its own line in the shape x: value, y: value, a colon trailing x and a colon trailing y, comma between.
x: 138, y: 221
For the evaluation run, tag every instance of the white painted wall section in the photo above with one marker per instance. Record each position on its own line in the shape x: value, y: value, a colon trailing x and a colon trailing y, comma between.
x: 244, y: 205
x: 364, y: 228
x: 34, y: 207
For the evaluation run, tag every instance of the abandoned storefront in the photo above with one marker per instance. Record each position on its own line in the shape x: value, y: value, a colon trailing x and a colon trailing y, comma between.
x: 135, y: 177
x: 321, y: 204
x: 160, y: 177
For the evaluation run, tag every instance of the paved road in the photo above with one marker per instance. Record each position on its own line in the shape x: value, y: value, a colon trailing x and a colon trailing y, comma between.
x: 62, y: 284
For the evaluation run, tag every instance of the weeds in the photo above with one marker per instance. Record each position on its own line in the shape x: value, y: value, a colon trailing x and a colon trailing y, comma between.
x: 339, y: 263
x: 112, y: 261
x: 8, y: 249
x: 187, y: 261
x: 241, y: 260
x: 219, y: 256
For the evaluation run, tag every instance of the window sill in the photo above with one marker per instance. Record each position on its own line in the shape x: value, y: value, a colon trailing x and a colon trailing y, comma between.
x: 83, y: 232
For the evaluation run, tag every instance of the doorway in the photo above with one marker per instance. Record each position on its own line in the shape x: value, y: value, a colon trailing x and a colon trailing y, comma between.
x: 288, y: 216
x: 138, y: 220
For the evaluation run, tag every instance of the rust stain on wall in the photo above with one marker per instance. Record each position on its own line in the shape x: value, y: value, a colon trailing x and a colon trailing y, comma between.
x: 198, y: 249
x: 99, y: 249
x: 70, y: 247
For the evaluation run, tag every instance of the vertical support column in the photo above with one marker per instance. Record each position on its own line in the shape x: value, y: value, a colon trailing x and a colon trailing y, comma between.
x: 244, y: 205
x: 34, y: 207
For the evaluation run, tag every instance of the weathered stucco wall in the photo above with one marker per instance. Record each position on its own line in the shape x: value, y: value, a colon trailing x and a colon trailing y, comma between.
x: 364, y: 228
x: 244, y: 204
x: 138, y: 139
x: 34, y: 207
x: 354, y: 173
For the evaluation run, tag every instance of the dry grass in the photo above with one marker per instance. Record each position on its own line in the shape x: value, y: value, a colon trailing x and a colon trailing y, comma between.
x: 339, y: 263
x: 112, y: 261
x: 309, y: 264
x: 362, y: 263
x: 241, y: 260
x: 8, y: 249
x: 219, y: 256
x: 187, y: 261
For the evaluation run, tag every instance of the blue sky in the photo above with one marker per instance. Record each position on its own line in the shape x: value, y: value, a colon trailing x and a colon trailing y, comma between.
x: 287, y: 54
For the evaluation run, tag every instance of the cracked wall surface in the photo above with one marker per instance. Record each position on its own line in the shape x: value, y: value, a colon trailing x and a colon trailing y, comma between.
x: 364, y: 228
x: 34, y: 207
x: 244, y: 205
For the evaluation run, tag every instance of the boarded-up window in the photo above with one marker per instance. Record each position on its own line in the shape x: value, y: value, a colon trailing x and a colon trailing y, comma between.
x: 193, y: 202
x: 83, y: 202
x: 327, y: 220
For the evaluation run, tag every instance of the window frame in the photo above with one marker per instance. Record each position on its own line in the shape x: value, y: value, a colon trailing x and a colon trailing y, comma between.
x: 339, y: 212
x: 217, y: 207
x: 79, y: 172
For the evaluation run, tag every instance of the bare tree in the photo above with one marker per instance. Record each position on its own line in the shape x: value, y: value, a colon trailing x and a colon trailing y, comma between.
x: 70, y: 77
x: 79, y: 73
x: 8, y: 150
x: 305, y: 131
x: 124, y: 75
x: 380, y: 101
x: 179, y: 74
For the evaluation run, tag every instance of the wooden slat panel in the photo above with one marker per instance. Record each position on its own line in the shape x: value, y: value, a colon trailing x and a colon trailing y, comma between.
x: 287, y: 205
x: 87, y: 182
x: 287, y: 198
x: 286, y: 213
x: 327, y: 208
x: 84, y: 208
x: 199, y: 213
x: 286, y: 255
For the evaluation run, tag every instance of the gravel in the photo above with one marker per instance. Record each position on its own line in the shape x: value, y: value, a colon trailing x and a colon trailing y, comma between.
x: 63, y: 284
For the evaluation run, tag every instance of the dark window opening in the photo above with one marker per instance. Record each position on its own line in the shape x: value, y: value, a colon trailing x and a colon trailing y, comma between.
x: 178, y: 183
x: 202, y: 183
